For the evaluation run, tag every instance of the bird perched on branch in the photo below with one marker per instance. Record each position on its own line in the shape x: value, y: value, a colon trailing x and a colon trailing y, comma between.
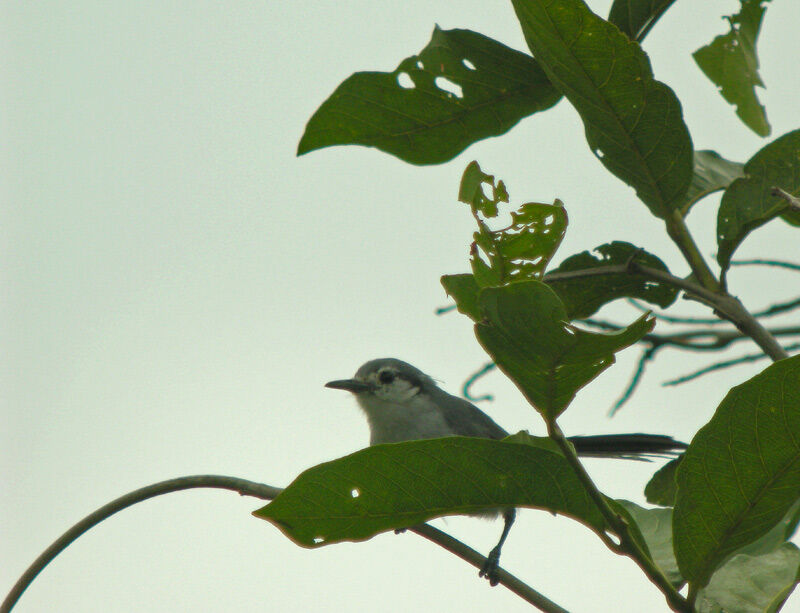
x: 404, y: 404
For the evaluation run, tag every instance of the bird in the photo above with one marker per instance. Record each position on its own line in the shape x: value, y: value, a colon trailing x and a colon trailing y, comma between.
x: 402, y: 403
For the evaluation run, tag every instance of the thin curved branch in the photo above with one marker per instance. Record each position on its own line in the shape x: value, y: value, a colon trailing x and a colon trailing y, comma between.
x: 646, y: 356
x: 257, y: 490
x: 751, y: 357
x: 465, y: 390
x: 244, y: 487
x: 759, y: 262
x: 471, y: 556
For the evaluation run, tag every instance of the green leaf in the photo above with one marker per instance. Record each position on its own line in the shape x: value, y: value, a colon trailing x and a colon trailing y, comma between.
x: 748, y: 204
x: 526, y: 332
x: 741, y: 474
x: 398, y: 485
x: 779, y: 534
x: 633, y: 123
x: 730, y: 62
x: 464, y: 290
x: 661, y: 488
x: 470, y: 190
x: 416, y: 112
x: 656, y: 528
x: 583, y: 296
x: 752, y: 584
x: 712, y: 172
x: 637, y: 17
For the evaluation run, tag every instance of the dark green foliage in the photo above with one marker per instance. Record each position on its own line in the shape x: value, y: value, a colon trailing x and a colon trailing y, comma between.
x: 633, y: 123
x: 426, y: 124
x: 583, y: 296
x: 731, y: 63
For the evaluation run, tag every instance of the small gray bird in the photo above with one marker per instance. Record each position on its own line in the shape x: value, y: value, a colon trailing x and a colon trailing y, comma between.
x: 402, y: 403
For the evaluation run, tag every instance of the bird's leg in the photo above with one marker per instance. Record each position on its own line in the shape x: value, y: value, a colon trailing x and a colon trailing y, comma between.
x: 489, y: 569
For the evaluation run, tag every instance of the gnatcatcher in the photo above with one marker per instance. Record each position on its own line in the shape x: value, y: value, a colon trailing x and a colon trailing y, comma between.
x: 402, y: 403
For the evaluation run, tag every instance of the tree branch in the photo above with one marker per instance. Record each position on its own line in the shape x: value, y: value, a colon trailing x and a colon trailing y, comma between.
x: 618, y: 524
x: 257, y: 490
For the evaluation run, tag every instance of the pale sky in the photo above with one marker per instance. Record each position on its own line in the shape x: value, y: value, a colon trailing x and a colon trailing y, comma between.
x: 178, y: 287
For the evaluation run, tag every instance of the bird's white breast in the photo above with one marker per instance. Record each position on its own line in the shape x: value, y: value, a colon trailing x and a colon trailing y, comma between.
x: 414, y: 419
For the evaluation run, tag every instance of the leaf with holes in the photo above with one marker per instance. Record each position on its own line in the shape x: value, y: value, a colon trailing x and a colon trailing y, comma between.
x: 526, y: 332
x: 463, y: 87
x: 398, y: 485
x: 637, y: 17
x: 633, y: 122
x: 748, y: 202
x: 712, y: 172
x: 730, y: 62
x: 584, y: 295
x: 741, y: 474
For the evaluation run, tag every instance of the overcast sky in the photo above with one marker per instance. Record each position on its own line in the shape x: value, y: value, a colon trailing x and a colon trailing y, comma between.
x: 178, y: 286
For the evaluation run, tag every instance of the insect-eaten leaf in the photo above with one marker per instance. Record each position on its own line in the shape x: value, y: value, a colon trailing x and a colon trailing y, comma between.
x: 525, y: 329
x: 398, y: 485
x: 584, y: 295
x: 741, y: 473
x: 730, y: 62
x: 463, y: 87
x: 518, y: 251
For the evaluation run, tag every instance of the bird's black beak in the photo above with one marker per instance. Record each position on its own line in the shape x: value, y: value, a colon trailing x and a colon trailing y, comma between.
x: 351, y: 385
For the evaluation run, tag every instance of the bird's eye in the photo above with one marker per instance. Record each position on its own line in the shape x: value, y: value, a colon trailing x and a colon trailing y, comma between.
x: 386, y: 376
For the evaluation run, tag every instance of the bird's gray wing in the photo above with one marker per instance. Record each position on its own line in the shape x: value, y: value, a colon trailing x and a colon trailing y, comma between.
x: 464, y: 418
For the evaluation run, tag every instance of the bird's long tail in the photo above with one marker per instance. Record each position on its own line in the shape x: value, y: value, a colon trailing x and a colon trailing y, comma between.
x: 627, y: 446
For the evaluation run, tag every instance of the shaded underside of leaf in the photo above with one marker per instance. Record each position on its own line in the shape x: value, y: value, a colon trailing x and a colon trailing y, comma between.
x: 398, y: 485
x: 464, y: 290
x: 583, y: 296
x: 748, y: 202
x: 637, y: 17
x: 730, y: 62
x: 741, y: 474
x: 633, y: 122
x: 661, y: 489
x: 712, y: 172
x: 463, y: 87
x: 752, y: 584
x: 656, y: 527
x: 525, y: 330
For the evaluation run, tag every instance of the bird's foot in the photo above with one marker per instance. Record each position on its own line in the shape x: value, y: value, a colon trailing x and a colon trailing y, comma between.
x: 491, y: 566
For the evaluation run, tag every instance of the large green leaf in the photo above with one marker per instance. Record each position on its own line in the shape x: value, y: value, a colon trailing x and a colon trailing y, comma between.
x: 730, y: 62
x: 712, y: 172
x: 741, y: 474
x: 583, y: 296
x: 752, y: 584
x: 656, y: 527
x: 463, y: 87
x: 398, y: 485
x: 748, y: 202
x: 637, y: 17
x: 633, y: 123
x: 525, y: 330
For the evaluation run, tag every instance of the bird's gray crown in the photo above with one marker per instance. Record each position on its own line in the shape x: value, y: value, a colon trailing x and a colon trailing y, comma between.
x: 384, y: 370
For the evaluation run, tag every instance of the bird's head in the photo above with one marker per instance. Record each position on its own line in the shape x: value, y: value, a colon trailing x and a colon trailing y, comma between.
x: 386, y: 379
